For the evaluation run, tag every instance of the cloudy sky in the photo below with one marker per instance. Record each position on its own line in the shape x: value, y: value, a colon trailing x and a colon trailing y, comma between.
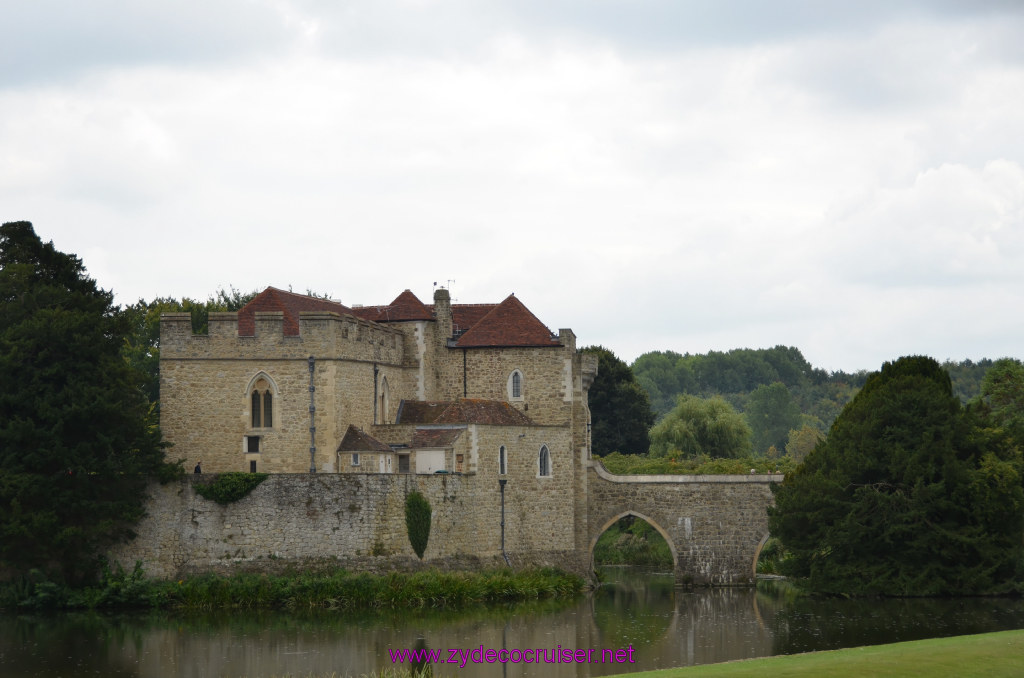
x: 843, y: 177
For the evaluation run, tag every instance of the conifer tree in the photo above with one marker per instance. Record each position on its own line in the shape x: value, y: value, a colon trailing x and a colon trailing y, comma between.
x: 78, y: 440
x: 910, y: 494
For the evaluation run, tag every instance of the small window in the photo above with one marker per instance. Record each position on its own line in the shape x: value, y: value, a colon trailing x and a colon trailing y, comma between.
x: 403, y: 463
x: 268, y: 410
x: 502, y: 461
x: 515, y: 385
x: 252, y: 444
x: 355, y: 459
x: 544, y: 462
x: 252, y: 466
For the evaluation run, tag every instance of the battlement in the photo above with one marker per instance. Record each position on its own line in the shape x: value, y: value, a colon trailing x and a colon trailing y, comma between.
x: 321, y: 333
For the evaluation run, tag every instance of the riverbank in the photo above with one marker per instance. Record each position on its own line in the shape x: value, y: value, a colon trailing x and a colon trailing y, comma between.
x: 331, y: 589
x: 990, y: 655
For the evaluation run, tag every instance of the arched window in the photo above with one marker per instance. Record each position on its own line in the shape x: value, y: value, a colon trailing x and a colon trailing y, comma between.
x: 502, y: 461
x: 544, y: 462
x: 261, y: 402
x: 515, y: 385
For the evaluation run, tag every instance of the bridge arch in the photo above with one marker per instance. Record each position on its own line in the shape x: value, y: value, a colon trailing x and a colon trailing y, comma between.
x: 650, y: 521
x: 715, y: 525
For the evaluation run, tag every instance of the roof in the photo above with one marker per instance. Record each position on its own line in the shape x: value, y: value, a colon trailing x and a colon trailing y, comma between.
x: 435, y: 437
x: 357, y: 440
x: 509, y: 323
x: 406, y: 306
x: 273, y: 299
x: 462, y: 411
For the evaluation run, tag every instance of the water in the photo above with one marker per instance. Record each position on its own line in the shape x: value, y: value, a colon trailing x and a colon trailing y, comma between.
x: 665, y: 627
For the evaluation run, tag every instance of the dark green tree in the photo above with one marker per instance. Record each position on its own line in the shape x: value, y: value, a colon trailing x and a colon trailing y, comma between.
x: 701, y: 427
x: 772, y: 414
x: 78, y: 440
x: 620, y: 411
x: 910, y: 494
x: 417, y: 521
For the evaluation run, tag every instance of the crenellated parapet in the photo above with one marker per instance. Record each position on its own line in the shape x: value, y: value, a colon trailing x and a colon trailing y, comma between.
x: 323, y: 334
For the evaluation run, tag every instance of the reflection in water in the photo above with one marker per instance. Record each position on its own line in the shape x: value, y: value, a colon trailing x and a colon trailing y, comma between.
x: 665, y: 626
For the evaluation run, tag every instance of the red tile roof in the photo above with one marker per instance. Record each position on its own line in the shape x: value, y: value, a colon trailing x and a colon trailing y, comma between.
x: 435, y: 437
x: 273, y: 299
x: 462, y: 411
x: 509, y: 323
x: 406, y: 306
x: 357, y: 440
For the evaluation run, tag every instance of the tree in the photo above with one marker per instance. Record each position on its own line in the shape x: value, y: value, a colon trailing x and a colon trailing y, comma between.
x: 802, y: 441
x: 620, y: 411
x: 910, y: 494
x: 1002, y: 392
x: 772, y: 414
x: 78, y: 440
x: 701, y: 427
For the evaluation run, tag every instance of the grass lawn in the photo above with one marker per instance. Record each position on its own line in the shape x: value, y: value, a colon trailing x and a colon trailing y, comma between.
x: 990, y: 655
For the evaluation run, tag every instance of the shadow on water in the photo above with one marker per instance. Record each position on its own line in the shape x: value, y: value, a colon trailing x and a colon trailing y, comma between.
x: 664, y: 625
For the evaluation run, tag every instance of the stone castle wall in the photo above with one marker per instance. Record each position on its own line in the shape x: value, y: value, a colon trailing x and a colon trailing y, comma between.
x: 353, y: 520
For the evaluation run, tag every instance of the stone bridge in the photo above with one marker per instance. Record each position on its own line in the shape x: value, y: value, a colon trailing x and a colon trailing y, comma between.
x: 715, y: 525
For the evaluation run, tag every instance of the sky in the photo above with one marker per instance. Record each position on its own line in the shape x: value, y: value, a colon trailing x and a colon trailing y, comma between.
x: 842, y: 177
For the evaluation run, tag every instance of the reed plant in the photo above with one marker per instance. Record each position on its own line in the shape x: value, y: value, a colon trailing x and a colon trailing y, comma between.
x: 327, y: 590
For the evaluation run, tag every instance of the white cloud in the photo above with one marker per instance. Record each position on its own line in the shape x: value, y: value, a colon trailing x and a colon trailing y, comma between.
x: 836, y: 183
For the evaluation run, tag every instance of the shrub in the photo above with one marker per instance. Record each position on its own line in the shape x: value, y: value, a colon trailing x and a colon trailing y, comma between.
x: 229, y: 487
x: 417, y: 521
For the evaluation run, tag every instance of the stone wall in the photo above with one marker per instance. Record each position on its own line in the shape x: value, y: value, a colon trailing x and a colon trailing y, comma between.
x: 352, y: 520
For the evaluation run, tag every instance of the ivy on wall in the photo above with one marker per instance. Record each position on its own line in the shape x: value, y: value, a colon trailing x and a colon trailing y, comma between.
x: 230, y: 487
x: 417, y: 521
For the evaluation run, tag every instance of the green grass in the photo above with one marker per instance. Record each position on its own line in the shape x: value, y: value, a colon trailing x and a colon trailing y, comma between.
x: 991, y: 655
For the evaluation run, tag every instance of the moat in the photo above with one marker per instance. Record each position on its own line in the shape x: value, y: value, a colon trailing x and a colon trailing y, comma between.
x: 665, y: 626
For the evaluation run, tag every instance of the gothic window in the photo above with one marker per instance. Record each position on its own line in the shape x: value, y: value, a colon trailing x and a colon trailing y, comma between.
x: 544, y: 462
x: 261, y: 402
x: 502, y: 461
x: 515, y: 385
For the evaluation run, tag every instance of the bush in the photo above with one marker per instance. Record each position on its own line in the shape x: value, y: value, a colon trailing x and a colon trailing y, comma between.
x: 417, y: 521
x: 230, y: 487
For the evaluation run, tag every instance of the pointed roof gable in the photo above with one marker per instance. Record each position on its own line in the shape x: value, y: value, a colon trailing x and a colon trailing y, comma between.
x: 406, y: 306
x: 509, y: 323
x: 357, y: 440
x: 462, y: 411
x: 291, y: 304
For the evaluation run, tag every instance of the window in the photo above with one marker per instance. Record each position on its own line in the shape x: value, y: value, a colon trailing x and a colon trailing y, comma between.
x: 403, y: 463
x: 502, y: 461
x: 383, y: 402
x: 252, y: 444
x: 252, y: 466
x: 256, y: 409
x: 515, y: 385
x: 355, y: 459
x: 544, y: 462
x: 261, y: 402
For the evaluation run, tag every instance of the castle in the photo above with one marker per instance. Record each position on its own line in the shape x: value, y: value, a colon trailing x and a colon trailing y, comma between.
x: 292, y: 383
x: 478, y: 407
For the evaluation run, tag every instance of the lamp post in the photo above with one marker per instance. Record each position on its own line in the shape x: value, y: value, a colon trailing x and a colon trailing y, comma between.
x: 501, y: 484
